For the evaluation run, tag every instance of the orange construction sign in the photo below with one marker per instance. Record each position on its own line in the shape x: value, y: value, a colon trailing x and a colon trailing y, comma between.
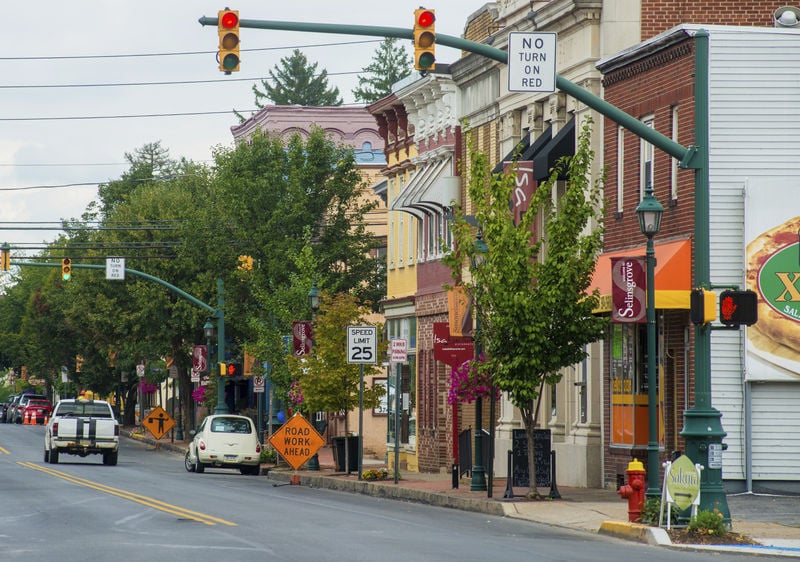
x: 296, y: 441
x: 158, y: 422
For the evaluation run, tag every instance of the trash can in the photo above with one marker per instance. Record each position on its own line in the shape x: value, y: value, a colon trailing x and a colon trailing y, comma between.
x: 338, y: 445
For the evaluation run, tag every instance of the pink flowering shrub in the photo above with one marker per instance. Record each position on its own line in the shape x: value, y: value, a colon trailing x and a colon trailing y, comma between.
x: 147, y: 387
x: 469, y: 382
x: 199, y: 394
x: 295, y: 394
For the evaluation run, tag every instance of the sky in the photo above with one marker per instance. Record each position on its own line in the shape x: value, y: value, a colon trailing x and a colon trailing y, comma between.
x: 79, y: 76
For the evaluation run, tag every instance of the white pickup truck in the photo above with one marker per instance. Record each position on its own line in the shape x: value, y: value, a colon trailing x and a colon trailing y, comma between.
x: 82, y: 427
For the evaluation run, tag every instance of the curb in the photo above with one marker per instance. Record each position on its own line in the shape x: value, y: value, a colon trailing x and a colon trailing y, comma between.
x: 389, y: 490
x: 653, y: 536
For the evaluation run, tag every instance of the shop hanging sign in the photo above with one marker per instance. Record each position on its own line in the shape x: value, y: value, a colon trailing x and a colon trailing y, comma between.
x: 628, y: 289
x: 451, y: 350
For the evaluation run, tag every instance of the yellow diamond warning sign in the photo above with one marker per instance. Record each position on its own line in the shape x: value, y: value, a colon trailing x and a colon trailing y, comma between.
x: 158, y: 422
x: 296, y: 441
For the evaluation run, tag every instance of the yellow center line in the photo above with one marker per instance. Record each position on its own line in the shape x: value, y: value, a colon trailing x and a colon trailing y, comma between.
x: 138, y: 498
x: 4, y: 451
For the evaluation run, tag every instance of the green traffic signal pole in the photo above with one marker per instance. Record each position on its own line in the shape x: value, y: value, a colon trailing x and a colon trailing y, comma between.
x: 702, y: 426
x: 218, y: 313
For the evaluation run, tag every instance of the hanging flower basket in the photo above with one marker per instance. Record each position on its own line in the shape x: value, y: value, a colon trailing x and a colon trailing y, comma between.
x: 199, y: 394
x: 296, y: 395
x: 147, y: 387
x: 468, y: 382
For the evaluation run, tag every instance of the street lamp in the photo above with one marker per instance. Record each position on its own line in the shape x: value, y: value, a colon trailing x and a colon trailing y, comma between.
x: 649, y: 213
x: 313, y: 304
x: 478, y: 482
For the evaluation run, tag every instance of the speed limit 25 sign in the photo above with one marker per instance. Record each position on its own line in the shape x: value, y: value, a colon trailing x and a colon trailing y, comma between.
x: 362, y: 344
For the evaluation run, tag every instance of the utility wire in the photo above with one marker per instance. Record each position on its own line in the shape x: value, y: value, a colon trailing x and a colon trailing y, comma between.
x: 180, y: 53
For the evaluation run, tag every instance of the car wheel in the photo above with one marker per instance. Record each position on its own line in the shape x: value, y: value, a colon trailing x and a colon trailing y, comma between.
x: 199, y: 467
x: 110, y: 458
x: 53, y: 456
x: 187, y: 462
x: 46, y: 455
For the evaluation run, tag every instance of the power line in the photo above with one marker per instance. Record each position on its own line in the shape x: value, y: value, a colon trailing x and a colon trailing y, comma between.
x: 160, y: 83
x: 179, y: 53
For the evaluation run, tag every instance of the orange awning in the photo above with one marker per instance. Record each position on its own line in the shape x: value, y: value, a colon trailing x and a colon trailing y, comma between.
x: 673, y: 274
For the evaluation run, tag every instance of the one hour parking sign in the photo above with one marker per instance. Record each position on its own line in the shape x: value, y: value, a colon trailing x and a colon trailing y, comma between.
x: 362, y: 344
x: 532, y: 62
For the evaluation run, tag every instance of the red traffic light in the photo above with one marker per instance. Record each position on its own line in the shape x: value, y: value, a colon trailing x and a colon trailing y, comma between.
x: 425, y: 18
x: 229, y: 20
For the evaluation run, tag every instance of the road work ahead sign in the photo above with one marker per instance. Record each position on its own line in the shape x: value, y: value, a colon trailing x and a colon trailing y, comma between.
x: 531, y: 62
x: 296, y: 441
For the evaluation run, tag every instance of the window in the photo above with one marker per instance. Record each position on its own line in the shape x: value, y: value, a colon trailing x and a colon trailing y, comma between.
x: 647, y: 160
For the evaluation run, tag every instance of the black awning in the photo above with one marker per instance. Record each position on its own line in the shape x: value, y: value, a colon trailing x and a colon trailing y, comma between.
x: 563, y: 144
x: 525, y: 151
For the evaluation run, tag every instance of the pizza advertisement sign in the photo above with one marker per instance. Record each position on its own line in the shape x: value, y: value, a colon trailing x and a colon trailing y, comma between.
x: 772, y: 257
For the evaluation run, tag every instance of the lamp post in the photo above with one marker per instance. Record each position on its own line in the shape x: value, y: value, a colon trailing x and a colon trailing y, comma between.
x: 208, y: 332
x: 313, y: 304
x: 478, y: 482
x: 649, y: 213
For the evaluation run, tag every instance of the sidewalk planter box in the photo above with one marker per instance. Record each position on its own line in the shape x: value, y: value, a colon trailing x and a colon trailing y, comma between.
x: 338, y: 444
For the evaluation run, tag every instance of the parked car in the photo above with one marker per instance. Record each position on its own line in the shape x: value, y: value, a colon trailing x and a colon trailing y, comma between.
x: 11, y: 407
x: 37, y: 411
x: 224, y: 441
x: 4, y: 407
x: 16, y: 409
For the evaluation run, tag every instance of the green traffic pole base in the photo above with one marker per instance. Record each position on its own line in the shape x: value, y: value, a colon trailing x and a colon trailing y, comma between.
x: 703, y: 434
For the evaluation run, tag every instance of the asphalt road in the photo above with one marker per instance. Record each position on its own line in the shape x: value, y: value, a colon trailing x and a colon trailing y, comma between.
x: 149, y: 508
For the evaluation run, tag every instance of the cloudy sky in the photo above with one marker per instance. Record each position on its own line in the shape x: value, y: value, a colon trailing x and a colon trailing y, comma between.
x: 78, y: 77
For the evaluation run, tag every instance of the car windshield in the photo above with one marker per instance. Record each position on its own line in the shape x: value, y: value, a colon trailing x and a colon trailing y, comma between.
x: 84, y: 409
x: 230, y: 425
x: 39, y: 403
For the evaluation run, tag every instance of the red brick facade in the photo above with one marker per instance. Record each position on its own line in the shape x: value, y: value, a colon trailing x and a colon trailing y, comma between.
x: 661, y: 15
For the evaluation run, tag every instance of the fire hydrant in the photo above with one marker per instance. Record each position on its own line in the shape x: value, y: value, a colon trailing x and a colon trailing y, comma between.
x: 634, y: 489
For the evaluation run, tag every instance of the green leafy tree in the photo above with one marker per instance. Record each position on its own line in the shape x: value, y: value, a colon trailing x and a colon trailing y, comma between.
x: 390, y: 64
x: 295, y: 81
x: 328, y: 382
x: 530, y: 294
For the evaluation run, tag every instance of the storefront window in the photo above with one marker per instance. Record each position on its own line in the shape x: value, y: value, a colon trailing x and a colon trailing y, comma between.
x: 629, y: 385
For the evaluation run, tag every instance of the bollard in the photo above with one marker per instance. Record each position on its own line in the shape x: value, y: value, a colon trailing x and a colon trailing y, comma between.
x: 454, y: 473
x: 509, y: 493
x: 554, y: 495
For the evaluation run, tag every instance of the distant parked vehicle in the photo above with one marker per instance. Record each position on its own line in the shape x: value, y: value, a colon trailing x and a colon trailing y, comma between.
x: 5, y: 406
x: 36, y: 411
x: 24, y: 399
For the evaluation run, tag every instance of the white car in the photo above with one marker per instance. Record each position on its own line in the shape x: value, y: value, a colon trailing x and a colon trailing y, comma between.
x: 225, y: 441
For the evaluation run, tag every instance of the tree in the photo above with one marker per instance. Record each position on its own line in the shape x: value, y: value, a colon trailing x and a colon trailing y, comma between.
x: 390, y: 63
x: 295, y: 82
x: 530, y: 294
x: 324, y: 379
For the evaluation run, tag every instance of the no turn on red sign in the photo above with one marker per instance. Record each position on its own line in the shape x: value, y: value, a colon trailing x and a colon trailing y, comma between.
x: 532, y: 62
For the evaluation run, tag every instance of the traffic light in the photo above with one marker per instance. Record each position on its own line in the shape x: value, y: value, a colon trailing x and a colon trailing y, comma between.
x: 703, y: 306
x: 424, y: 39
x: 228, y: 29
x: 738, y: 307
x: 5, y: 259
x: 66, y: 269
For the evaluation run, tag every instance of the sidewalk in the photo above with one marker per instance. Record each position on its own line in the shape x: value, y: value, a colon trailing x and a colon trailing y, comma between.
x: 773, y: 521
